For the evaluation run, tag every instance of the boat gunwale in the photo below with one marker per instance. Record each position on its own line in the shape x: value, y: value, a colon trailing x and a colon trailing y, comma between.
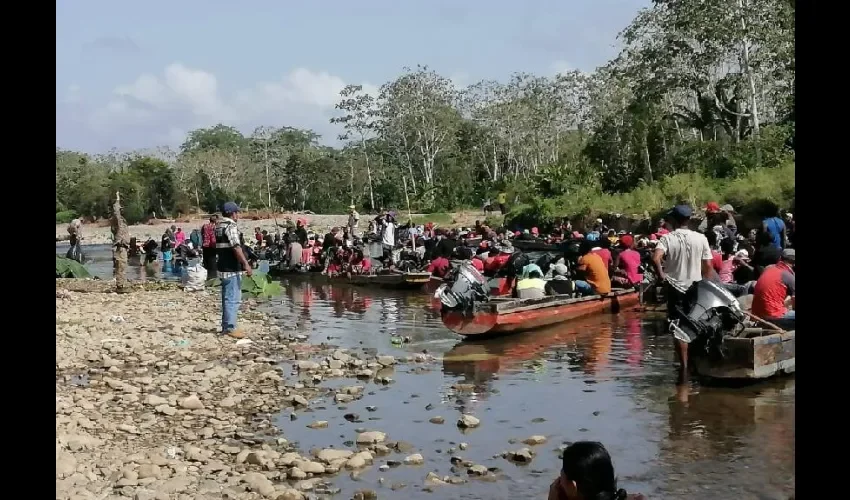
x: 504, y: 305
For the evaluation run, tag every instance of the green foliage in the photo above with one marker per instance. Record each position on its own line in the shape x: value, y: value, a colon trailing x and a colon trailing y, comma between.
x: 65, y: 216
x: 664, y: 119
x: 67, y: 268
x: 439, y: 218
x: 256, y: 285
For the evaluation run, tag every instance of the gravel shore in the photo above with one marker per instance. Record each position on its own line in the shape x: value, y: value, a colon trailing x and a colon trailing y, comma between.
x: 152, y: 404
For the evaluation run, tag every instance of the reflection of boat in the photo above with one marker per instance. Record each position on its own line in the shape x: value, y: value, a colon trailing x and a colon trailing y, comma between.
x: 383, y: 280
x: 503, y: 315
x: 757, y: 355
x: 716, y: 420
x: 481, y: 359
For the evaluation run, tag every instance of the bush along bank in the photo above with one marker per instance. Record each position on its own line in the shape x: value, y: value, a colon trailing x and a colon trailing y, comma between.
x: 642, y: 208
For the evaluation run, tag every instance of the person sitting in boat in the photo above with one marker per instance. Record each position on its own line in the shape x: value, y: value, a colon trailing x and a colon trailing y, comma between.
x: 587, y: 472
x: 602, y: 248
x: 495, y: 263
x: 774, y: 285
x: 439, y: 267
x: 627, y: 264
x: 593, y: 271
x: 560, y: 282
x: 531, y: 284
x: 360, y: 264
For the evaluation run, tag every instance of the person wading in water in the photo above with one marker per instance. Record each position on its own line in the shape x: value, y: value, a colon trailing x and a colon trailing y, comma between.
x: 231, y: 264
x: 681, y: 257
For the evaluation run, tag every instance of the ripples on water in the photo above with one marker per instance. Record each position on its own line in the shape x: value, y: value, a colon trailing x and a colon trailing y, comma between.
x: 605, y: 378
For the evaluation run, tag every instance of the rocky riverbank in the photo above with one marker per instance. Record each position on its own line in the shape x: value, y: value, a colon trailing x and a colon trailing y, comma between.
x: 152, y: 404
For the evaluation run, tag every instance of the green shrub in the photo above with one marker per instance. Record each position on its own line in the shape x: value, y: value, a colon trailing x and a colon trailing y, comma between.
x: 67, y: 268
x: 65, y: 216
x: 439, y: 218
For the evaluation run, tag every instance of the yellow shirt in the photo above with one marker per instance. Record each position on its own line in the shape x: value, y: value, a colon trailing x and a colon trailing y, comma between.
x: 502, y: 198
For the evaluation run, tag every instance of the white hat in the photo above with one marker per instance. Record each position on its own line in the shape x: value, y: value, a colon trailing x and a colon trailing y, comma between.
x: 742, y: 255
x: 599, y: 221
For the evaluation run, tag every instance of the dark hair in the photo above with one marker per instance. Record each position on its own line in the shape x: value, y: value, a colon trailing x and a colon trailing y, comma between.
x: 604, y: 242
x: 588, y: 465
x: 727, y: 246
x: 763, y: 238
x: 711, y: 236
x: 585, y: 247
x: 535, y: 274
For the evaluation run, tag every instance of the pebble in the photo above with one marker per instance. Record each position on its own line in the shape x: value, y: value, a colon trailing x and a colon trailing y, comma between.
x: 437, y: 420
x: 534, y: 440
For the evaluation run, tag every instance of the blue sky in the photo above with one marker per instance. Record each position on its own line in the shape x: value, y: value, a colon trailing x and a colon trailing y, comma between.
x: 140, y: 74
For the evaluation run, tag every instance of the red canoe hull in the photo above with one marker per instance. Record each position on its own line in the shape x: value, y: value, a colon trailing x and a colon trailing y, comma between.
x: 493, y: 323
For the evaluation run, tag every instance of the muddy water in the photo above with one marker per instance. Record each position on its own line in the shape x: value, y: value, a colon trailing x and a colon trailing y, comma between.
x: 606, y: 378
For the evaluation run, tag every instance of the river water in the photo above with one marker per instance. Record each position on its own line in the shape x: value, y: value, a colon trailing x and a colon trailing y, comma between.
x: 608, y: 378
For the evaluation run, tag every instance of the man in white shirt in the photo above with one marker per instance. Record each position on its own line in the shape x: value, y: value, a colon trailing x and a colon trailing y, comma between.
x: 682, y: 257
x: 388, y: 239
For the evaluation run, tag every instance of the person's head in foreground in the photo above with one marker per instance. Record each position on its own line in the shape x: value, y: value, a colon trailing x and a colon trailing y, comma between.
x: 230, y: 210
x: 587, y: 474
x: 678, y: 217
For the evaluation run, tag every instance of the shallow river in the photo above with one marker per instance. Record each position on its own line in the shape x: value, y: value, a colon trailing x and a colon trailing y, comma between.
x: 607, y: 378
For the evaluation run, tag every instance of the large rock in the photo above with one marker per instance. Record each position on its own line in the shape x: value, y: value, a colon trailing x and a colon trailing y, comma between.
x: 371, y: 437
x: 386, y: 360
x: 192, y: 403
x: 310, y: 467
x: 307, y: 366
x: 415, y: 459
x: 328, y: 455
x: 534, y: 440
x: 468, y: 422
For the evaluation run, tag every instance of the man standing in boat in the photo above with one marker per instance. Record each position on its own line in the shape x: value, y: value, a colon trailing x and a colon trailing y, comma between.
x: 681, y: 257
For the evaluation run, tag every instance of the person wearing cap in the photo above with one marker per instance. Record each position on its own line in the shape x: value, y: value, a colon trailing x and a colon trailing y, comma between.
x: 774, y: 285
x: 231, y: 264
x: 353, y: 221
x: 627, y: 263
x: 681, y: 258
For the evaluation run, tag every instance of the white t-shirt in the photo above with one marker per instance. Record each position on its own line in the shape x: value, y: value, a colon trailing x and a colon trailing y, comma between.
x: 389, y: 234
x: 684, y: 251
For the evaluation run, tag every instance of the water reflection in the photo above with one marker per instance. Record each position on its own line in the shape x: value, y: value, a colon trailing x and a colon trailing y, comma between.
x: 609, y: 378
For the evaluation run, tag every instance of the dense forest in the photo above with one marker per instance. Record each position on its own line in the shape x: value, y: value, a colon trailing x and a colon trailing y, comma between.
x: 700, y: 98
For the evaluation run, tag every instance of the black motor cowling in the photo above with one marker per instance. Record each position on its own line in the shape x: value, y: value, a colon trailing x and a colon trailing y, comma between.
x: 464, y: 286
x: 706, y: 314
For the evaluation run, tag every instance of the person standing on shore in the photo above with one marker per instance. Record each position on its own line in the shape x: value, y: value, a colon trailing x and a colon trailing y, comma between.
x: 353, y: 222
x: 503, y: 198
x: 75, y: 233
x: 208, y: 246
x: 231, y: 264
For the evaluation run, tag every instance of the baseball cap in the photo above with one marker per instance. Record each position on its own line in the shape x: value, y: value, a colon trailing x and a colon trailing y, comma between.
x: 230, y: 207
x: 627, y: 240
x: 712, y: 207
x: 728, y: 209
x: 788, y: 254
x: 681, y: 212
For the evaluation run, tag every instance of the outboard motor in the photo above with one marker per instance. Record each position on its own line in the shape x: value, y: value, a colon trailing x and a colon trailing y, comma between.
x: 709, y: 312
x: 467, y: 287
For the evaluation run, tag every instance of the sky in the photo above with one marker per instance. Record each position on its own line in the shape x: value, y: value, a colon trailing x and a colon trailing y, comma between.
x: 134, y: 75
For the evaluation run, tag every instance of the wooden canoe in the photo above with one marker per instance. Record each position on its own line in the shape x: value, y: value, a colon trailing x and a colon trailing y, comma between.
x: 395, y: 280
x: 387, y: 280
x: 758, y: 354
x: 535, y: 246
x: 504, y: 315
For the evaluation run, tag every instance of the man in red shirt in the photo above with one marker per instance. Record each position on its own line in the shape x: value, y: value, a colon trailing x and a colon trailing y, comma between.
x: 439, y: 267
x: 773, y: 286
x: 208, y: 246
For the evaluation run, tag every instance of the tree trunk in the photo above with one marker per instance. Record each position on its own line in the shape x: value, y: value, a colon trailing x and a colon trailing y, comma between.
x: 646, y: 159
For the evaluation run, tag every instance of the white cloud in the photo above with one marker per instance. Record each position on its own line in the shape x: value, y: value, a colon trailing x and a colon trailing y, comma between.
x: 155, y: 109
